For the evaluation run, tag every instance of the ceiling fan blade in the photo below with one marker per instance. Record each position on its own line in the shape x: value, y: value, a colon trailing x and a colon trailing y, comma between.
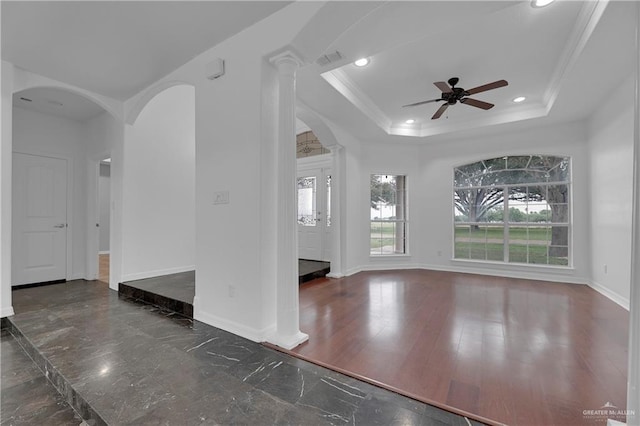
x: 440, y: 111
x: 444, y: 87
x: 476, y: 103
x: 422, y: 103
x: 488, y: 86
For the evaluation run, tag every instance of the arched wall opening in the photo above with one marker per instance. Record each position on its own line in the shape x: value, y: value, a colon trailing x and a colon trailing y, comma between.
x: 158, y: 218
x: 321, y: 156
x: 66, y: 130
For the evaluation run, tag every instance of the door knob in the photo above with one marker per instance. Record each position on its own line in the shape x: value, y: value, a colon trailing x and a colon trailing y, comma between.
x: 60, y: 225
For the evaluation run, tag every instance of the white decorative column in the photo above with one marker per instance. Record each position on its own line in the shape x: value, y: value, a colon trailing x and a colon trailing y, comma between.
x: 287, y: 333
x: 6, y: 156
x: 633, y: 375
x: 337, y: 153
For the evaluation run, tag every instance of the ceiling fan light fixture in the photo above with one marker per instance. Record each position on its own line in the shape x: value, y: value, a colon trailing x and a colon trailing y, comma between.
x: 362, y: 62
x: 541, y: 3
x: 519, y: 99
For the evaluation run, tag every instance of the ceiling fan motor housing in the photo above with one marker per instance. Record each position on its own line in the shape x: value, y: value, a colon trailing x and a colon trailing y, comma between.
x: 455, y: 95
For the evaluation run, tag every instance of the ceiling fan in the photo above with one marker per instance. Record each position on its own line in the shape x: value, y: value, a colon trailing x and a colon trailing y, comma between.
x: 451, y: 95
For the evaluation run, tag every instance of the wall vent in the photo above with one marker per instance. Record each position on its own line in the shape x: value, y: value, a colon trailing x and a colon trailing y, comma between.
x: 328, y: 58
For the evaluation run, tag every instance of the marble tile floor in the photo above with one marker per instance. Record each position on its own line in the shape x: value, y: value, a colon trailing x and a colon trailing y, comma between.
x: 118, y: 361
x: 174, y: 292
x: 26, y: 396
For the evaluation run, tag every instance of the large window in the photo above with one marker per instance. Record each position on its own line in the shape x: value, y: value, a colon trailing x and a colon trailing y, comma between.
x: 388, y: 215
x: 513, y: 209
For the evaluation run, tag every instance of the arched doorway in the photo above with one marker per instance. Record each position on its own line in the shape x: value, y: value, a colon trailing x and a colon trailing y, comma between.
x: 55, y: 132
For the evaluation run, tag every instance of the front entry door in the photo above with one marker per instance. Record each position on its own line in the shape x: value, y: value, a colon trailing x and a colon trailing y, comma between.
x: 314, y: 216
x: 39, y: 242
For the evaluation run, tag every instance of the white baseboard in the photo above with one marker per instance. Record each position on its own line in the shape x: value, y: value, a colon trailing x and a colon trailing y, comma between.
x: 6, y: 312
x: 104, y: 252
x: 612, y: 295
x: 253, y: 334
x: 77, y: 276
x: 157, y: 273
x: 335, y: 275
x: 546, y: 275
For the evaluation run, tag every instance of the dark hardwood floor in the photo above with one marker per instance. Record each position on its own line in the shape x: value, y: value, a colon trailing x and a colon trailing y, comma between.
x: 519, y: 352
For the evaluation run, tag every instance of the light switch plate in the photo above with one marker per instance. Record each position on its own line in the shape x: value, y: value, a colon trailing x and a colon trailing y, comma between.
x: 221, y: 197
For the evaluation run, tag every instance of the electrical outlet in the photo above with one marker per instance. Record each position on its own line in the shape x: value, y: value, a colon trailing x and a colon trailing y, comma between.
x: 232, y: 291
x: 439, y: 253
x: 606, y: 268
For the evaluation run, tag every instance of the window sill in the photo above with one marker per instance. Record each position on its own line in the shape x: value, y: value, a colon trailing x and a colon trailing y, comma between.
x: 520, y: 266
x: 388, y: 256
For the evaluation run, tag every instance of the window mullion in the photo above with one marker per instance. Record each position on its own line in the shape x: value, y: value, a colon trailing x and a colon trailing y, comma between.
x: 505, y: 234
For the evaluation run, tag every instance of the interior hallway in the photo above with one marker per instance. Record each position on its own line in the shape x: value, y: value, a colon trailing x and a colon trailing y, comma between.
x: 103, y: 268
x: 120, y: 362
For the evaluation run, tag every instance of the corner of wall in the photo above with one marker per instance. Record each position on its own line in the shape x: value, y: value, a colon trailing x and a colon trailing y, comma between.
x: 6, y: 312
x: 610, y: 294
x: 253, y: 334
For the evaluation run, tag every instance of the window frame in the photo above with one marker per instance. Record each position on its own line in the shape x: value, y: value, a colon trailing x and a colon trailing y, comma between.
x: 404, y: 221
x: 506, y: 224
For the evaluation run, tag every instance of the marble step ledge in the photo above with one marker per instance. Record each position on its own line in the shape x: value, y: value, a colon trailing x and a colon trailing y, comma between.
x: 182, y: 308
x: 62, y: 385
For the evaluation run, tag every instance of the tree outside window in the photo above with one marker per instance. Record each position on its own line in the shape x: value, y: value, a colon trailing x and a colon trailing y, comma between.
x: 513, y: 209
x: 388, y: 215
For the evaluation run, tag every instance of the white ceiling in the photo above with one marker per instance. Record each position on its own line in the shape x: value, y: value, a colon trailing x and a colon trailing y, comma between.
x: 117, y: 48
x: 564, y: 58
x: 61, y: 103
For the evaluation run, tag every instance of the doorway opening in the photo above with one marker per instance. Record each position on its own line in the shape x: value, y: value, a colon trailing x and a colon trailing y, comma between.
x: 314, y: 207
x: 104, y: 219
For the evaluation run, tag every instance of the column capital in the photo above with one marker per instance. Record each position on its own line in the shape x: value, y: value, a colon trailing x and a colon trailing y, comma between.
x: 286, y: 57
x: 335, y: 148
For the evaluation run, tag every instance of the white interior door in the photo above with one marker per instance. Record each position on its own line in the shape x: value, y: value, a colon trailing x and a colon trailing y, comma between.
x: 313, y: 214
x: 39, y: 252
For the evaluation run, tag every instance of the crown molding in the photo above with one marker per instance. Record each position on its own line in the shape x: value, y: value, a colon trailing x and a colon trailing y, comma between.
x: 350, y: 90
x: 585, y: 24
x: 584, y: 27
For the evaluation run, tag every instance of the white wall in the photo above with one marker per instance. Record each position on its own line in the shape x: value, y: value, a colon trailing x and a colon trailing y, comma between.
x: 236, y: 122
x: 429, y: 170
x: 104, y: 202
x: 48, y: 135
x: 159, y: 187
x: 611, y: 188
x: 538, y: 138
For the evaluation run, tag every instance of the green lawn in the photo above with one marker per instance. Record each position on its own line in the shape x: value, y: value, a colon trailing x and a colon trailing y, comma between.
x: 542, y: 233
x: 383, y: 234
x: 535, y: 253
x: 517, y: 253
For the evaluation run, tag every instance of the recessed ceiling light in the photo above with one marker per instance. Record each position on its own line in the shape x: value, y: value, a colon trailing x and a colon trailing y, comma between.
x: 361, y: 62
x: 519, y: 99
x: 410, y: 121
x: 541, y: 3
